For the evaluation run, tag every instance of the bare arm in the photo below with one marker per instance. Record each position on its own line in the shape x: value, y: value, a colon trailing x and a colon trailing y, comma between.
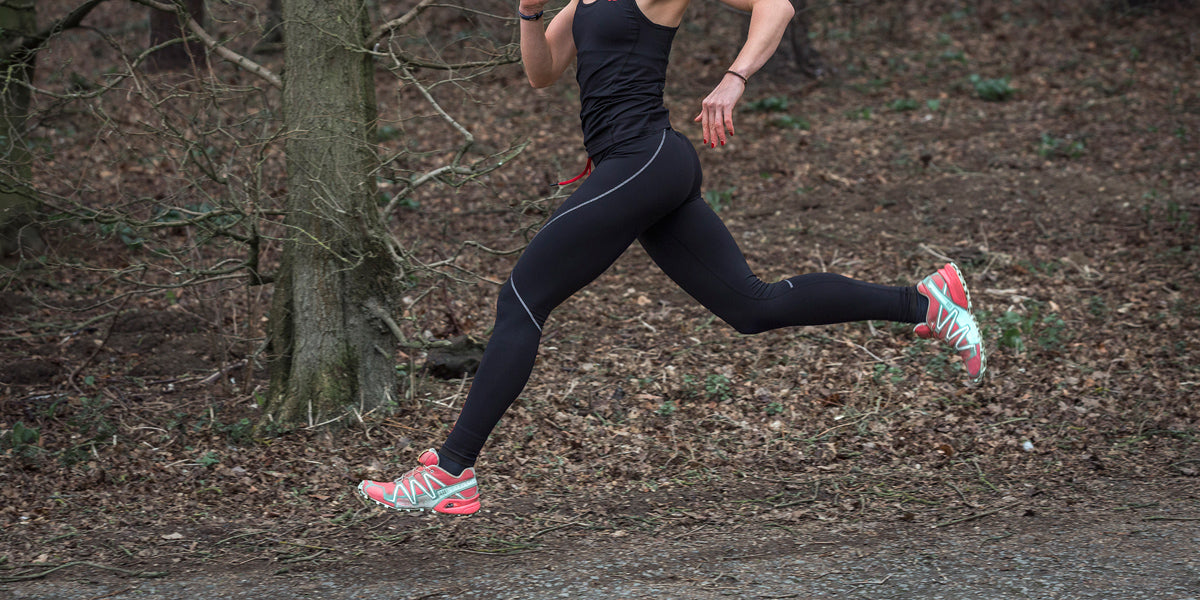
x: 768, y: 20
x: 546, y: 50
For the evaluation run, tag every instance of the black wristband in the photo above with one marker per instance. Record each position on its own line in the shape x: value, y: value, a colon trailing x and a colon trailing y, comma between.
x: 738, y: 75
x: 535, y: 16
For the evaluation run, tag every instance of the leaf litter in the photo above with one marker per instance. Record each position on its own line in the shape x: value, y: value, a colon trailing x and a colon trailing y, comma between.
x: 647, y: 417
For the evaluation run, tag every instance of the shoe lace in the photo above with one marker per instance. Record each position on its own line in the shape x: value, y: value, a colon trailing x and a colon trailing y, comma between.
x: 953, y: 323
x: 408, y: 483
x: 412, y: 473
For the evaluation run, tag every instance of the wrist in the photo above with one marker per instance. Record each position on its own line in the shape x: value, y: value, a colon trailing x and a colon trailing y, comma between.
x: 738, y: 75
x: 530, y: 13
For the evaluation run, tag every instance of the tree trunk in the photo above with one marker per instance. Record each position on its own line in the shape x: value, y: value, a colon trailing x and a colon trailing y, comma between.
x: 329, y: 355
x: 804, y: 56
x: 166, y: 26
x: 796, y: 53
x: 18, y: 204
x: 272, y: 39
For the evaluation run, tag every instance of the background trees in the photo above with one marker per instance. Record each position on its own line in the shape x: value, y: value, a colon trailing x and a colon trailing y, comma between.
x: 174, y: 142
x: 18, y: 21
x: 169, y: 35
x: 168, y: 198
x: 329, y: 347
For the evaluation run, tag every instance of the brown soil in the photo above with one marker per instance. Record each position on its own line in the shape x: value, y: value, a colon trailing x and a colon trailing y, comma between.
x: 1072, y: 206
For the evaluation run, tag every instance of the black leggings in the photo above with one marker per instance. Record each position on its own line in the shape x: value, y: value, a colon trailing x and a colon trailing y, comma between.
x: 648, y: 189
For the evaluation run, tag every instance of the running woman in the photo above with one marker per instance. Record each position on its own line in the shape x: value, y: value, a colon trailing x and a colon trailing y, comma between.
x: 645, y: 186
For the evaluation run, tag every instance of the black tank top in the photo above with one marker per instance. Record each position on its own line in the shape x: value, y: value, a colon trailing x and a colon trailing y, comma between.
x: 621, y: 67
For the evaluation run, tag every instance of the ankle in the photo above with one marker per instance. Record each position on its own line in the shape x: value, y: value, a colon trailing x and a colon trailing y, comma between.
x: 451, y: 466
x: 918, y: 306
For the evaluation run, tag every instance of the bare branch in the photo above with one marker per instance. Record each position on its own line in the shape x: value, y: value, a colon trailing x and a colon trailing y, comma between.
x: 469, y: 138
x: 214, y: 45
x: 468, y: 173
x: 220, y: 177
x: 510, y: 56
x: 19, y: 50
x: 397, y: 23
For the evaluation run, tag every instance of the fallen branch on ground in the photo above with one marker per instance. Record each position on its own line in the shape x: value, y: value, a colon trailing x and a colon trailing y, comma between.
x: 32, y: 576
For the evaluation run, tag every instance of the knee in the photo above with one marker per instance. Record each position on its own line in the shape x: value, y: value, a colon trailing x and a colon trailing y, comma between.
x: 512, y: 309
x: 508, y: 305
x: 748, y: 324
x: 759, y: 307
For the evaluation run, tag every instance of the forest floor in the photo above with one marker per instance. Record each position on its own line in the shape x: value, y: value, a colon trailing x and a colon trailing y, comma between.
x: 1053, y: 153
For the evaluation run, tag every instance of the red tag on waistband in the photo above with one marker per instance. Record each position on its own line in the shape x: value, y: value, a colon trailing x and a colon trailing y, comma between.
x: 587, y: 170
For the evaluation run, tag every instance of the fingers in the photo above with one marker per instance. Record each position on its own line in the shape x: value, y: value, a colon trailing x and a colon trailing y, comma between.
x: 716, y: 122
x: 712, y: 117
x: 722, y: 120
x: 716, y: 114
x: 722, y: 123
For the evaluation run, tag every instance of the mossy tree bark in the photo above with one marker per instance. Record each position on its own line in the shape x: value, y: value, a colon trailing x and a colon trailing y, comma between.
x: 18, y: 19
x: 329, y: 356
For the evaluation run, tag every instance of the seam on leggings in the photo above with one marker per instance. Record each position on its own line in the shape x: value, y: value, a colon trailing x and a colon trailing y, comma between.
x: 616, y: 187
x: 512, y: 282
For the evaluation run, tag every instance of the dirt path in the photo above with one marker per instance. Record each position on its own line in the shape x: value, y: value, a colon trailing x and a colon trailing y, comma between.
x: 1143, y: 546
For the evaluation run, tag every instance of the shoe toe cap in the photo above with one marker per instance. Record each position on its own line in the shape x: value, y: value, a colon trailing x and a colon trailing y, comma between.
x: 376, y: 490
x: 975, y: 364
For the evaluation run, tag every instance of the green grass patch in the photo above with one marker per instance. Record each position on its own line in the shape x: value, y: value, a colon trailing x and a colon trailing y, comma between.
x: 1049, y: 146
x: 991, y: 90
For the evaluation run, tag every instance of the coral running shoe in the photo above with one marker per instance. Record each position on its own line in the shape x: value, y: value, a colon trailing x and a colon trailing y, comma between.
x: 427, y: 487
x: 949, y: 318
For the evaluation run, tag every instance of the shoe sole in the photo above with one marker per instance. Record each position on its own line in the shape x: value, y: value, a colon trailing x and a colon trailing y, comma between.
x: 971, y: 311
x: 966, y: 290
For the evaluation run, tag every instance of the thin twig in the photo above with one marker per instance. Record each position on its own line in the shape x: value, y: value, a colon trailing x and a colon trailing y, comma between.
x: 690, y: 532
x: 936, y: 253
x: 962, y: 496
x: 31, y: 44
x: 556, y: 527
x: 499, y: 552
x: 976, y: 516
x: 309, y: 546
x: 111, y: 594
x: 32, y: 576
x: 240, y: 535
x: 880, y: 582
x: 99, y: 347
x: 54, y: 329
x: 223, y: 370
x: 212, y: 44
x: 835, y: 427
x: 312, y: 556
x: 397, y: 23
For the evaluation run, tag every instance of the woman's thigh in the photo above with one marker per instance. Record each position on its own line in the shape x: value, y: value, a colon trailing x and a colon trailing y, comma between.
x: 629, y: 191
